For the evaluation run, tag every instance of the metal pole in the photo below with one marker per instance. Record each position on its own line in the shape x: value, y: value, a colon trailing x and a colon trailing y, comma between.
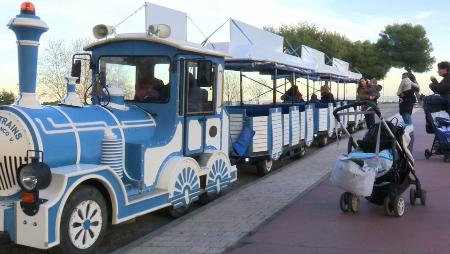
x: 240, y: 87
x: 345, y: 88
x: 307, y: 88
x: 294, y: 83
x: 274, y: 94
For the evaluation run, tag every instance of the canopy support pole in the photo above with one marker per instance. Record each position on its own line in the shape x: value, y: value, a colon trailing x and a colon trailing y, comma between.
x: 274, y: 93
x: 307, y: 88
x: 345, y: 88
x: 294, y: 81
x: 240, y: 87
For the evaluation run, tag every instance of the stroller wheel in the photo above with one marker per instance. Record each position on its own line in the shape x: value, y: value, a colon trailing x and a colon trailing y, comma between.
x: 344, y: 202
x: 423, y: 197
x: 427, y: 154
x: 399, y: 206
x: 412, y: 196
x: 354, y: 203
x: 388, y: 207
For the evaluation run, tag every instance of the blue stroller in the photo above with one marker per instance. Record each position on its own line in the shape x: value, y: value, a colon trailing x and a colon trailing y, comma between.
x: 437, y: 117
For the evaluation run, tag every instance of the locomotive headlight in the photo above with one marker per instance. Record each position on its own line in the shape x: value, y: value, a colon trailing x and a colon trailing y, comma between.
x: 34, y: 176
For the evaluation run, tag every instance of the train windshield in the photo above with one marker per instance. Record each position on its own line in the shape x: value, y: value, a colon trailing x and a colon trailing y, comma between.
x: 143, y: 78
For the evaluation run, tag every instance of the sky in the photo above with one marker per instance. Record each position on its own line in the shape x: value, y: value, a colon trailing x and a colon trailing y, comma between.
x: 357, y: 19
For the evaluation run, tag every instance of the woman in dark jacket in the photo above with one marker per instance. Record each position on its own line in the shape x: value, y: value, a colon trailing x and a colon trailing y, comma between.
x: 406, y: 93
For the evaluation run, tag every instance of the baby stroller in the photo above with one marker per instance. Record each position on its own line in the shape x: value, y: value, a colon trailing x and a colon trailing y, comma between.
x: 380, y: 167
x: 437, y: 118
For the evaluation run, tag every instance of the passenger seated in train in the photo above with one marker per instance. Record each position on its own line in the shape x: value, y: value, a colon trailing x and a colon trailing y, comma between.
x: 292, y: 94
x: 325, y: 94
x: 314, y: 98
x: 148, y: 87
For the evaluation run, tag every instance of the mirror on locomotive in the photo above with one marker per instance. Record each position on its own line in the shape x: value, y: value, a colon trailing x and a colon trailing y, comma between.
x: 76, y: 70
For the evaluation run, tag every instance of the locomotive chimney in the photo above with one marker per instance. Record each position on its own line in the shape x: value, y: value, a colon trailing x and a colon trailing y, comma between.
x: 28, y: 29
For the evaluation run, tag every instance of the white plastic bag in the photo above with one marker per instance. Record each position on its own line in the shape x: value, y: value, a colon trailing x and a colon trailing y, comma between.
x: 352, y: 177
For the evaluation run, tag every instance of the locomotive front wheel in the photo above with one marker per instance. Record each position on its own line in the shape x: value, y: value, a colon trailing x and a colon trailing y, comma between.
x: 264, y: 167
x: 83, y: 222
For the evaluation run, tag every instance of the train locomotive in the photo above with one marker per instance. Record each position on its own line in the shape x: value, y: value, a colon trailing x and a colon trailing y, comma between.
x: 155, y: 136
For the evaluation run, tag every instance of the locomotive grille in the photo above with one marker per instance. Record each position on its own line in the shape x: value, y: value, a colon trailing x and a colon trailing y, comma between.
x: 8, y: 170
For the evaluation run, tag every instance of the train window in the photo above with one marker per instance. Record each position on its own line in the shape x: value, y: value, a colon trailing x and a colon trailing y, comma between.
x: 201, y: 87
x: 143, y: 78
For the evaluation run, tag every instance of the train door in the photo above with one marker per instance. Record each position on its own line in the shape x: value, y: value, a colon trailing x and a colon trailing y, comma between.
x: 202, y: 123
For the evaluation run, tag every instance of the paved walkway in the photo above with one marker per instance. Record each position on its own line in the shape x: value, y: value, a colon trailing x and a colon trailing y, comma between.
x: 222, y: 223
x: 315, y: 224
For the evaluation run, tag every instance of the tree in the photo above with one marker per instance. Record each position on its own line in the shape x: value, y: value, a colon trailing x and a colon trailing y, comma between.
x: 6, y: 97
x: 362, y: 56
x: 255, y: 90
x: 231, y: 90
x: 406, y: 46
x: 55, y: 64
x: 365, y: 58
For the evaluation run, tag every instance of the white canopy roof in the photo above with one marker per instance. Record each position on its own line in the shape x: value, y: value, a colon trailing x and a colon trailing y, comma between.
x: 344, y: 67
x: 254, y: 44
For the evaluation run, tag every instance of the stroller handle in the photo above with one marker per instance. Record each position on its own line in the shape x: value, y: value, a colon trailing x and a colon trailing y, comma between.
x: 356, y: 104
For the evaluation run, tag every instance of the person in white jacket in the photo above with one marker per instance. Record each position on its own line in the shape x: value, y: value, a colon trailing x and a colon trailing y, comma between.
x: 406, y: 93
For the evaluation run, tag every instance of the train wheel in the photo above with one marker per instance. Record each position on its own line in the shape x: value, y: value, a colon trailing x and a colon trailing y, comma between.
x: 83, y: 222
x: 218, y: 177
x: 351, y: 129
x: 323, y: 141
x: 185, y: 189
x: 264, y: 167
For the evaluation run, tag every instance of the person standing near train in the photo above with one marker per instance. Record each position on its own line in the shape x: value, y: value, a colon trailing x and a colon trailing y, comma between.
x: 370, y: 92
x: 406, y: 93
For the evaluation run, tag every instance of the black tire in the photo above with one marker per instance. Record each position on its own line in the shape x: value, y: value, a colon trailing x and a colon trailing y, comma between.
x: 427, y: 154
x: 399, y: 206
x: 95, y: 202
x: 388, y: 207
x: 423, y: 197
x: 179, y: 212
x: 264, y: 167
x: 323, y: 141
x: 354, y: 203
x: 343, y: 202
x: 351, y: 129
x: 412, y: 196
x: 447, y: 157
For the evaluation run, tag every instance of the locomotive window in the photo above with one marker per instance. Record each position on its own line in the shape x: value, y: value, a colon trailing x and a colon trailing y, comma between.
x: 143, y: 78
x: 201, y: 87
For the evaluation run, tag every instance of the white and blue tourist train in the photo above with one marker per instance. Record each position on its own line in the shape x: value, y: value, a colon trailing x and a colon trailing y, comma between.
x: 154, y: 134
x: 68, y: 171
